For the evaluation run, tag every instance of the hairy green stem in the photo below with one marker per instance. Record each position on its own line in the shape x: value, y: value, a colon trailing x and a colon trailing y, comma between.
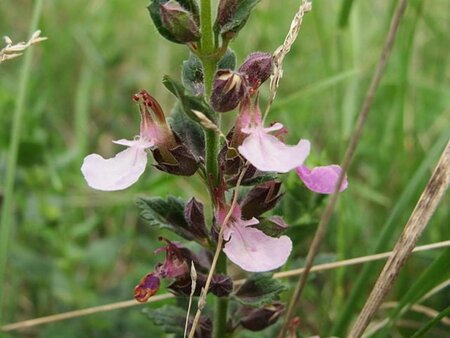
x: 221, y: 315
x: 8, y: 201
x: 212, y: 140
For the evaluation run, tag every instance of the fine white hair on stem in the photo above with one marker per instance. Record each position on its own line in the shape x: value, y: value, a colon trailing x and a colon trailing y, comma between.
x: 11, y: 50
x: 281, y: 51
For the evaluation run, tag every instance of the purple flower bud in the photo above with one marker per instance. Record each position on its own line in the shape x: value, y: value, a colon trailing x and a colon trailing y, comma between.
x: 257, y: 319
x: 260, y: 199
x: 179, y: 22
x: 148, y: 286
x: 221, y: 285
x: 229, y: 89
x: 257, y: 68
x: 194, y: 216
x: 176, y: 160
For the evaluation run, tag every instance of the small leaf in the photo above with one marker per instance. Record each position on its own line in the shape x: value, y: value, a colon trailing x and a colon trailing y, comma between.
x: 259, y: 289
x: 228, y: 60
x: 192, y: 75
x: 168, y: 214
x: 188, y: 102
x: 171, y: 318
x: 189, y: 131
x: 232, y: 15
x: 273, y: 226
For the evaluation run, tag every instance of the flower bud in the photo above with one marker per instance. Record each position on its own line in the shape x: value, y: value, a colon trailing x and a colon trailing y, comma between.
x: 260, y: 199
x: 257, y: 68
x: 148, y: 286
x: 194, y: 216
x: 229, y: 89
x: 176, y: 160
x: 179, y: 22
x: 221, y: 285
x: 257, y: 319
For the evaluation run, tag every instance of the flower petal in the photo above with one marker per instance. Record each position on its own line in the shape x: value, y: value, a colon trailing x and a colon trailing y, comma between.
x: 254, y: 251
x: 268, y: 153
x: 115, y: 173
x: 322, y: 180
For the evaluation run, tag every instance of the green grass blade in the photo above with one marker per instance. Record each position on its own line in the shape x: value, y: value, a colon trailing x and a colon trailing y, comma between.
x: 435, y: 274
x: 431, y: 323
x: 8, y: 202
x: 358, y: 292
x: 345, y: 13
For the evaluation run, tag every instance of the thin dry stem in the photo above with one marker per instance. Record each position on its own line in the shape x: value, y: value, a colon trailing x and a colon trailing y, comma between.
x: 362, y: 118
x: 425, y: 207
x: 191, y: 296
x: 11, y: 51
x: 281, y: 52
x: 204, y: 293
x: 285, y: 274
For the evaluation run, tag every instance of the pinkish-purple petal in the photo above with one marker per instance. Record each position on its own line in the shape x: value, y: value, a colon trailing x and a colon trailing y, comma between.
x: 268, y: 153
x: 254, y: 251
x: 322, y: 180
x: 115, y: 173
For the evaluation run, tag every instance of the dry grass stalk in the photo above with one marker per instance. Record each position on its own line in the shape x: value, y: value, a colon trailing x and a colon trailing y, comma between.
x: 362, y: 118
x: 285, y: 274
x: 11, y: 51
x: 281, y: 52
x: 427, y: 204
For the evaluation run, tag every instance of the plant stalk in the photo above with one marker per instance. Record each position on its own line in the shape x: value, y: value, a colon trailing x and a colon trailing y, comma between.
x: 11, y: 166
x: 209, y: 68
x: 212, y: 143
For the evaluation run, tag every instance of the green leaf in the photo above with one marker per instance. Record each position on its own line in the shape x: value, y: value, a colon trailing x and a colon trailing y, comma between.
x: 188, y: 102
x: 259, y: 289
x: 192, y: 75
x: 168, y: 214
x: 232, y: 15
x: 436, y: 273
x: 228, y: 60
x: 171, y: 318
x: 155, y: 13
x: 432, y: 322
x: 189, y: 131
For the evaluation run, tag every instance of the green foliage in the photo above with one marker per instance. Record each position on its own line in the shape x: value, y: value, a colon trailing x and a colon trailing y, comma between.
x: 232, y: 15
x: 169, y: 213
x: 171, y: 318
x: 188, y: 130
x: 259, y: 289
x: 187, y: 101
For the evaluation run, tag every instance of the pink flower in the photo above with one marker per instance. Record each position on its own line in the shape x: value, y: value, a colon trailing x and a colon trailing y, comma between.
x: 267, y: 152
x: 322, y: 180
x: 127, y: 166
x: 251, y: 248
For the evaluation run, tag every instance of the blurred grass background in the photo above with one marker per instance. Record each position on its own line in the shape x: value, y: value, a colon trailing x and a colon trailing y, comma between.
x: 73, y: 247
